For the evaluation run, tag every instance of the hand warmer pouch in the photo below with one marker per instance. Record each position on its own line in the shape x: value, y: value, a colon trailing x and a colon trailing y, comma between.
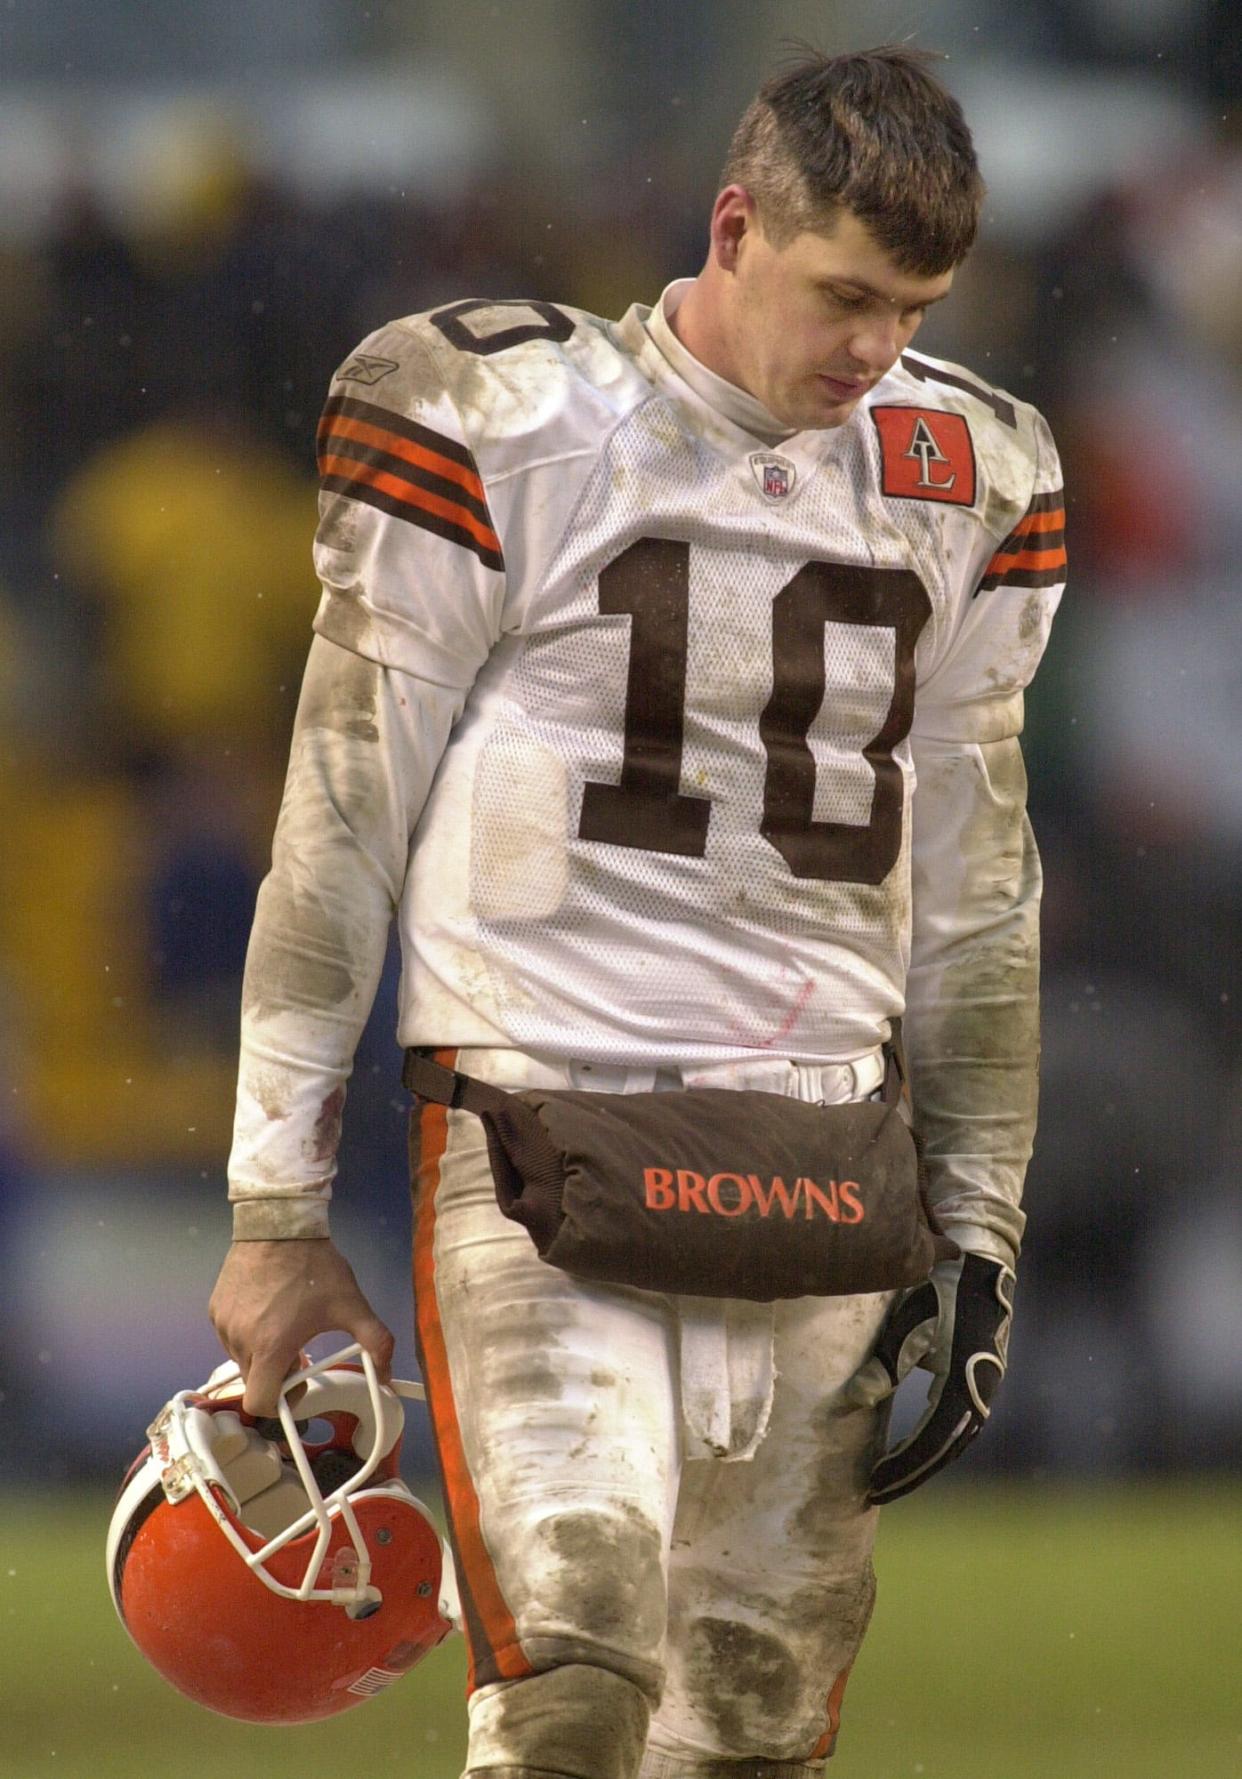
x: 707, y: 1191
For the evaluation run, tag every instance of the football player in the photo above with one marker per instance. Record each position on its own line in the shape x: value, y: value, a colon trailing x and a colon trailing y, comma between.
x: 667, y: 685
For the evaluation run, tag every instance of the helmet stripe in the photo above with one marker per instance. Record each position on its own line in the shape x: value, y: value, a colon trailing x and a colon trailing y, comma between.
x: 137, y: 1520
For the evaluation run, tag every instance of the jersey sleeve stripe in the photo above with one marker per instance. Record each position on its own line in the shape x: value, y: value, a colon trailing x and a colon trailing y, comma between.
x: 1051, y: 521
x: 1033, y: 555
x: 421, y: 474
x: 1004, y: 560
x: 1025, y: 577
x: 402, y: 499
x: 348, y: 407
x: 340, y: 431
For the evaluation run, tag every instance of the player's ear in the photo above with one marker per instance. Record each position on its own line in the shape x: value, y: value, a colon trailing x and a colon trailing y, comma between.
x: 733, y: 217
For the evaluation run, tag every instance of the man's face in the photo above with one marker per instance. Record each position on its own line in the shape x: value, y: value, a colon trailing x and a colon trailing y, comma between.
x: 812, y: 325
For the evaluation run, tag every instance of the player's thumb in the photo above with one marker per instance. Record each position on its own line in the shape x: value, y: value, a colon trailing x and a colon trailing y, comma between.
x: 870, y: 1384
x: 376, y: 1339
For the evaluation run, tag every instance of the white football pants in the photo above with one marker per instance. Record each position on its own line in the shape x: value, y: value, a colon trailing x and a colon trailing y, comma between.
x: 667, y: 1488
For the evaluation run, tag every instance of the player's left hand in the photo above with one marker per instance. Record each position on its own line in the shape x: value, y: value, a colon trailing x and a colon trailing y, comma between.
x: 955, y: 1325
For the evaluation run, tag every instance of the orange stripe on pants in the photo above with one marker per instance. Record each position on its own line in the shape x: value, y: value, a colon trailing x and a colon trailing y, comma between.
x: 828, y: 1740
x: 490, y: 1620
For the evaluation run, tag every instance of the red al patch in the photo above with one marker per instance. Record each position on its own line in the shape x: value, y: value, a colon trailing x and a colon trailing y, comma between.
x: 928, y: 455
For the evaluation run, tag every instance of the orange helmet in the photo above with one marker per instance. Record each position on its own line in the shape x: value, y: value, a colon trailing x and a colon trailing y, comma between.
x: 269, y: 1575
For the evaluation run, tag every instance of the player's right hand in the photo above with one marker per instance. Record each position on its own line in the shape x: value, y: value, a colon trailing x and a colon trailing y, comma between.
x: 271, y: 1298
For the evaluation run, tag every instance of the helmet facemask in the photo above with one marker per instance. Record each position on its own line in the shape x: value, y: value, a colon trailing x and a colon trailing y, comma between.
x: 356, y: 1585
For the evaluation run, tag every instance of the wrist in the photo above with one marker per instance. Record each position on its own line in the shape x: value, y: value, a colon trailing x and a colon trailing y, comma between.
x: 975, y: 1238
x: 280, y: 1220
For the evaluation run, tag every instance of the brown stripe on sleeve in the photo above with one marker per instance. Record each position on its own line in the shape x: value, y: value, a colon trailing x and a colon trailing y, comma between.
x: 408, y: 471
x: 1044, y: 526
x: 402, y: 499
x: 1023, y: 576
x: 1006, y: 559
x: 343, y: 428
x: 348, y: 407
x: 1033, y: 555
x: 425, y: 473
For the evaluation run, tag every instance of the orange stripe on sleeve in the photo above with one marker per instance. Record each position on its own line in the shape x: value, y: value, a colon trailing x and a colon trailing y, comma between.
x: 1050, y: 521
x: 1005, y: 560
x: 479, y: 1575
x: 409, y: 494
x: 364, y: 434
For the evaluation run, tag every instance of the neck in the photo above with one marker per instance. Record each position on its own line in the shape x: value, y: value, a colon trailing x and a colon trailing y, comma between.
x: 696, y: 323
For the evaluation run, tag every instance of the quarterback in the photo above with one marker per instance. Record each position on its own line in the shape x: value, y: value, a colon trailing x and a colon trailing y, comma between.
x: 666, y: 686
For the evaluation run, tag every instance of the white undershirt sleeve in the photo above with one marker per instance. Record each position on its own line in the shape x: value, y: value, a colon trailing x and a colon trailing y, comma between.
x: 366, y: 743
x: 972, y: 999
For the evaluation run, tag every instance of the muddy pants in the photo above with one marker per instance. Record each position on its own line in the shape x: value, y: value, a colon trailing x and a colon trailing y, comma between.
x: 667, y: 1489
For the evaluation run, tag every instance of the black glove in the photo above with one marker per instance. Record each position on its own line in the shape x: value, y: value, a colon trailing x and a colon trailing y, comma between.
x: 955, y: 1325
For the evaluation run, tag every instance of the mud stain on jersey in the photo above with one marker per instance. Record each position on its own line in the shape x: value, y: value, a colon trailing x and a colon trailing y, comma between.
x: 346, y: 621
x: 326, y: 1134
x: 271, y: 1088
x: 657, y: 418
x: 603, y: 1576
x: 583, y: 1446
x: 338, y: 523
x: 867, y: 909
x: 1031, y: 620
x: 344, y: 698
x: 973, y: 1037
x: 978, y: 1059
x: 1002, y: 508
x: 323, y: 908
x: 509, y: 393
x: 293, y: 968
x: 743, y: 1681
x: 469, y: 970
x: 418, y: 381
x: 519, y: 861
x: 1006, y: 458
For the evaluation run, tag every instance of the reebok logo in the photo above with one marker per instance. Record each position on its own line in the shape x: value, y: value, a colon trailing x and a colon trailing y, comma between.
x: 733, y: 1195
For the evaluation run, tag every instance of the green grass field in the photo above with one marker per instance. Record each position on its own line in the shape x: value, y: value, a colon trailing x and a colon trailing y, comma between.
x: 1020, y: 1634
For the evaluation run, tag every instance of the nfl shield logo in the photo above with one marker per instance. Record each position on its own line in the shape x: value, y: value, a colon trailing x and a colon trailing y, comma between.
x: 774, y: 474
x: 775, y: 481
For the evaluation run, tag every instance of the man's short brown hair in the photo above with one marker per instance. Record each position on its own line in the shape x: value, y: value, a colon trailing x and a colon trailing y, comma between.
x: 874, y: 133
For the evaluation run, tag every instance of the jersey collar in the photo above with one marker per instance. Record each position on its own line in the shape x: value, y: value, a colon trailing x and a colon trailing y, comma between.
x: 726, y: 398
x: 729, y: 419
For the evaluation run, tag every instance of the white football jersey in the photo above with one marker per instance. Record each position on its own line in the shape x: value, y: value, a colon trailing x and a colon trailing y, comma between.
x: 672, y: 822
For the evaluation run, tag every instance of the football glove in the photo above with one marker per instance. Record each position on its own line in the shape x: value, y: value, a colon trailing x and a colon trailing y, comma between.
x: 955, y: 1325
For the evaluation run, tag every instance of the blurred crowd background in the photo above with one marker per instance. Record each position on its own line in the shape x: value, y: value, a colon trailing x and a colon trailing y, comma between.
x: 202, y: 209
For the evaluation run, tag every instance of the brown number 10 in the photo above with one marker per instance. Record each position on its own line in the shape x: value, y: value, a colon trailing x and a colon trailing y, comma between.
x: 650, y: 582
